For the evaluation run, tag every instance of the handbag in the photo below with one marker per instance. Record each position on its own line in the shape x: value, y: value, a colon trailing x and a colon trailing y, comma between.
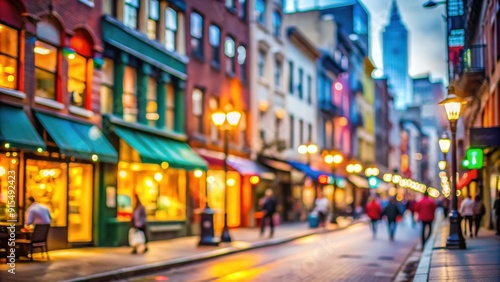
x: 136, y: 237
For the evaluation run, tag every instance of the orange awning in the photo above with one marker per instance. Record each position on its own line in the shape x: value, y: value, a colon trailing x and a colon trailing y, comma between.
x: 466, y: 179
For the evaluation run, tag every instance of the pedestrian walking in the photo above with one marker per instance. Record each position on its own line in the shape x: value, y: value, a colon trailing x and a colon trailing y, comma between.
x: 373, y: 211
x: 392, y: 212
x: 139, y: 222
x: 479, y: 211
x: 496, y: 207
x: 269, y: 205
x: 467, y: 211
x: 426, y: 208
x: 321, y: 207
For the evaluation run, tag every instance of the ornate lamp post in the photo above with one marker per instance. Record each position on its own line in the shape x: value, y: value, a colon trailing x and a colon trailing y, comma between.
x: 444, y: 145
x: 226, y: 121
x: 453, y: 106
x: 334, y: 159
x: 308, y: 149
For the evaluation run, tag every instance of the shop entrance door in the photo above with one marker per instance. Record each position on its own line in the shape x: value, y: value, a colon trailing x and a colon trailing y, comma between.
x: 80, y: 203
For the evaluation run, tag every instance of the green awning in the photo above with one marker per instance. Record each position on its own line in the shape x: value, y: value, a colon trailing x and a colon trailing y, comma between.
x: 17, y: 131
x: 80, y: 140
x: 158, y: 149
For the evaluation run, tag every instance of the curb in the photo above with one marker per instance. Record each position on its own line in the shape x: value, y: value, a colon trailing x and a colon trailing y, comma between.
x: 168, y: 264
x: 424, y: 265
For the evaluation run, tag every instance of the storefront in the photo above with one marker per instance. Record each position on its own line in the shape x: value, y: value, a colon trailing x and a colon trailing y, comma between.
x: 244, y: 177
x: 58, y: 171
x: 157, y: 166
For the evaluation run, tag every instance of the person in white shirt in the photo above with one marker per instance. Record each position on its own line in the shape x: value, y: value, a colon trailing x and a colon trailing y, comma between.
x: 467, y: 211
x: 321, y: 207
x: 37, y: 214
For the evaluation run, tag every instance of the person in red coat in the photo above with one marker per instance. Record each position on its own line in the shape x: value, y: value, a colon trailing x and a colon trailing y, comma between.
x: 373, y: 211
x: 426, y: 209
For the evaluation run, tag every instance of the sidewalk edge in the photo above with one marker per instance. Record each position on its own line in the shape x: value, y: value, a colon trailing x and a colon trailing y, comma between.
x: 164, y: 265
x: 424, y: 265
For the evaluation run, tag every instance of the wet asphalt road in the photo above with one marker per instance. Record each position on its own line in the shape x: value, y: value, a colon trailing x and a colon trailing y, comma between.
x: 348, y: 255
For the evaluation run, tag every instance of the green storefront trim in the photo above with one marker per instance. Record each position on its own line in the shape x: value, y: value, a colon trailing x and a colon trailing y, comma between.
x: 17, y: 130
x: 137, y: 45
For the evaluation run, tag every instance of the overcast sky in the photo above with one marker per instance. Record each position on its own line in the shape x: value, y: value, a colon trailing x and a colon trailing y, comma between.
x: 426, y: 29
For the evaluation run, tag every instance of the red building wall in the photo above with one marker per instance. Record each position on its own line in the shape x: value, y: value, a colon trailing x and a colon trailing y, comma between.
x: 215, y: 82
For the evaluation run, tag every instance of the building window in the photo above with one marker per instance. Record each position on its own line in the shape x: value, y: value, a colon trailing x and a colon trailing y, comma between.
x: 230, y: 5
x: 301, y: 131
x: 162, y: 191
x: 77, y: 80
x: 309, y: 89
x: 309, y: 132
x: 130, y: 12
x: 152, y: 105
x: 328, y: 134
x: 261, y: 61
x: 45, y: 69
x: 260, y: 11
x: 230, y: 52
x: 9, y: 57
x: 243, y: 9
x: 154, y: 16
x: 197, y: 34
x: 197, y: 109
x: 242, y: 61
x: 277, y: 128
x: 277, y: 73
x: 170, y: 107
x: 129, y: 98
x: 214, y: 38
x: 107, y: 82
x: 277, y: 23
x: 290, y: 77
x: 171, y: 29
x: 292, y: 131
x: 213, y: 105
x: 301, y: 83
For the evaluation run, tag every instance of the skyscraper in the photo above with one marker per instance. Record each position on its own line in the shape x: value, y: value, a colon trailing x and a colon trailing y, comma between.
x: 395, y: 58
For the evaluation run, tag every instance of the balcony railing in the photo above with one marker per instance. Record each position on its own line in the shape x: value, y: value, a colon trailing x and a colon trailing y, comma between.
x: 473, y: 59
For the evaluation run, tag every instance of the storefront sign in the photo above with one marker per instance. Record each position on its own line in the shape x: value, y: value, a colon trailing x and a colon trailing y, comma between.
x: 485, y: 137
x: 111, y: 197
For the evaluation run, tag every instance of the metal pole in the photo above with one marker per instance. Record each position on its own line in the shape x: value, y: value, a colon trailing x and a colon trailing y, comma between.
x: 334, y: 205
x: 455, y: 239
x: 225, y: 237
x: 447, y: 38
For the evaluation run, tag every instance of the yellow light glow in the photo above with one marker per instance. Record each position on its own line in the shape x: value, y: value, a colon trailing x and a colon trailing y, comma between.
x: 231, y: 182
x: 14, y: 154
x: 350, y: 168
x: 10, y: 78
x: 328, y: 159
x: 7, y: 145
x: 95, y: 158
x: 302, y: 149
x: 42, y: 186
x: 312, y: 148
x: 71, y: 56
x: 375, y: 171
x: 452, y: 105
x: 9, y: 69
x: 338, y: 158
x: 149, y: 183
x: 123, y: 174
x: 358, y: 168
x: 233, y: 118
x: 41, y: 50
x: 392, y: 191
x: 158, y: 176
x: 442, y: 174
x: 442, y: 165
x: 254, y: 179
x: 164, y: 165
x: 399, y: 197
x: 152, y: 116
x: 39, y: 150
x: 211, y: 179
x: 198, y: 173
x: 459, y: 193
x: 444, y: 144
x: 218, y: 118
x: 396, y: 179
x: 14, y: 161
x: 343, y: 121
x: 2, y: 171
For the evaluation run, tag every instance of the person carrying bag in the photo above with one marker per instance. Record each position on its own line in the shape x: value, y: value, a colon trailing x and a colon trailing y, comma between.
x: 137, y: 233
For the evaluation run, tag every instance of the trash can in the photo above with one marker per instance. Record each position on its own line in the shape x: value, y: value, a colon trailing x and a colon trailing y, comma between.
x: 313, y: 220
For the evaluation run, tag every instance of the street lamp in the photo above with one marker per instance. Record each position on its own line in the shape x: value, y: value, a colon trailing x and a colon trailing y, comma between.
x: 444, y: 145
x: 308, y: 149
x: 442, y: 165
x: 453, y: 106
x: 226, y: 121
x: 334, y: 159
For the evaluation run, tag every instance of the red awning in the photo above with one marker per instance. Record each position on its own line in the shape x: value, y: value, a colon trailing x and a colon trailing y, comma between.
x: 466, y: 179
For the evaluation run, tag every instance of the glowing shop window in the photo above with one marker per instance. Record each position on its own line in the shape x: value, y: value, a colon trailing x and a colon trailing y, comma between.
x: 80, y: 203
x: 8, y: 56
x: 216, y: 197
x: 8, y: 162
x: 77, y: 80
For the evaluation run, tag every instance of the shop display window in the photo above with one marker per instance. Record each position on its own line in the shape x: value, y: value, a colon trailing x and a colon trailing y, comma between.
x: 161, y: 191
x: 8, y: 162
x: 9, y: 45
x: 216, y: 197
x: 46, y: 182
x: 77, y: 80
x: 80, y: 202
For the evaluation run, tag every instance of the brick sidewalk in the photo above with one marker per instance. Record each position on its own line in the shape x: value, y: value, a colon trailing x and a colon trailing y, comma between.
x: 99, y: 263
x: 479, y: 262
